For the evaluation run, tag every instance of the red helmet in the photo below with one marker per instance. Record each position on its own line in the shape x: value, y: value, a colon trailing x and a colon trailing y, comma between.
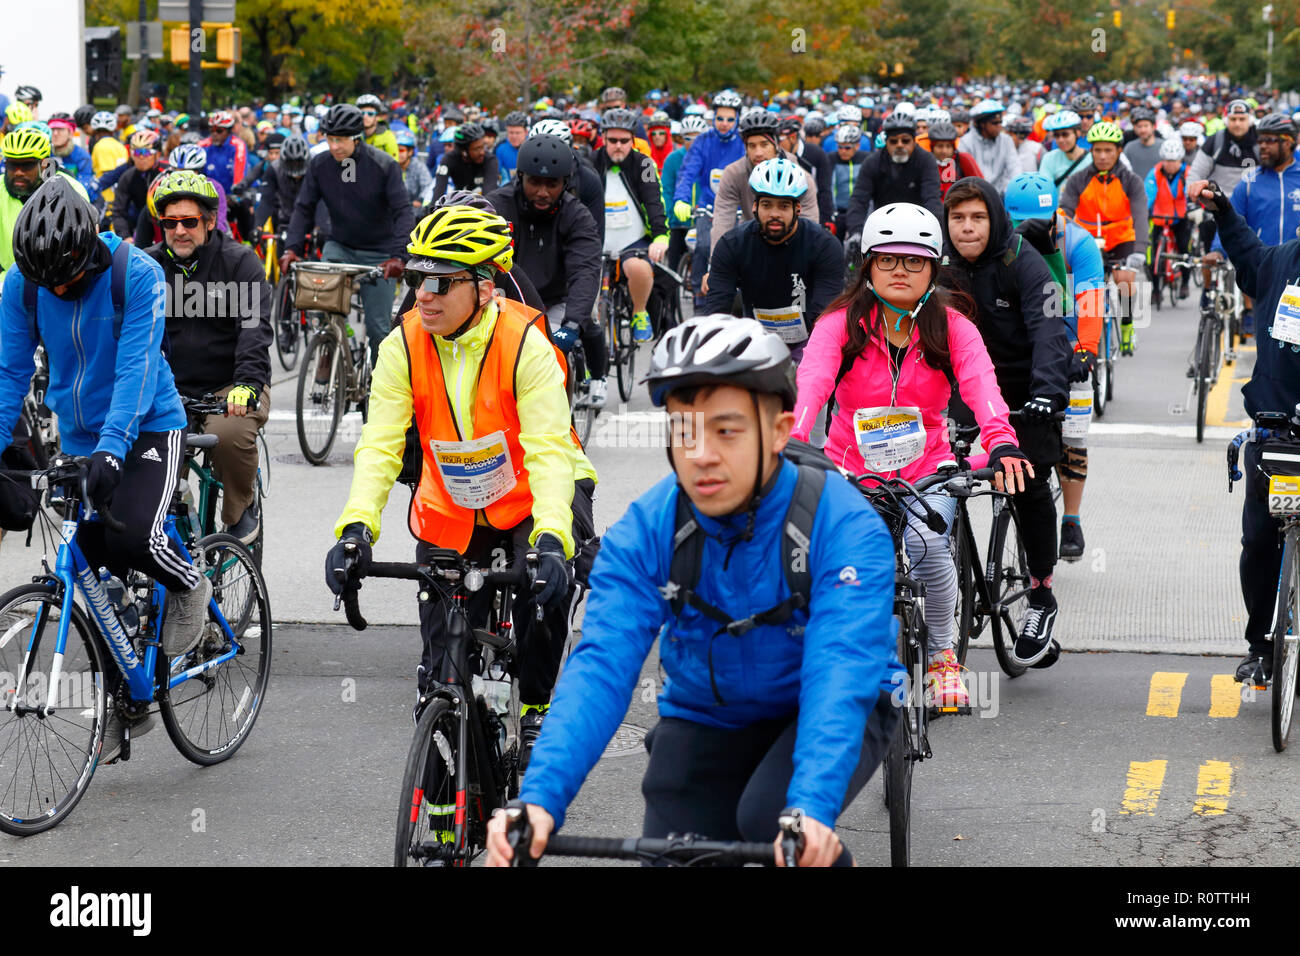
x: 222, y: 119
x: 583, y: 127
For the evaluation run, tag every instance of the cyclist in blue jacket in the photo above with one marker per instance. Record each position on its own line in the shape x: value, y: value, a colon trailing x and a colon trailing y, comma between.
x: 794, y: 711
x: 111, y: 388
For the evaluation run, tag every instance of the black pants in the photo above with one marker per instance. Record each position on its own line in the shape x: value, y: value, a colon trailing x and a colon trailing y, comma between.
x: 676, y: 247
x: 1261, y: 553
x: 538, y: 661
x: 140, y: 502
x: 731, y: 784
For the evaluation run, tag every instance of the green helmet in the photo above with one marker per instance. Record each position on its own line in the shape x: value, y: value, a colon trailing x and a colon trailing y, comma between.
x: 184, y: 184
x: 1104, y: 132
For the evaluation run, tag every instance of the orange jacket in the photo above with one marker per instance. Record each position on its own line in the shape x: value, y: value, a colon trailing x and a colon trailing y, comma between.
x: 1167, y: 205
x: 1103, y: 209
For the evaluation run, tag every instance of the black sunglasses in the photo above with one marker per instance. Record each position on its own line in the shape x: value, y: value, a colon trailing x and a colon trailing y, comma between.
x: 438, y: 285
x: 189, y: 222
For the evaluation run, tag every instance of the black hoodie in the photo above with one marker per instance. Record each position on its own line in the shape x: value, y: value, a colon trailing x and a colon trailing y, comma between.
x: 1027, y: 343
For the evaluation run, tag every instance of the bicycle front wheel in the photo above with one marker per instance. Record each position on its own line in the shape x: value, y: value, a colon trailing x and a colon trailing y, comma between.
x: 209, y: 714
x: 47, y: 760
x: 1285, y: 652
x: 1205, y: 362
x: 285, y: 322
x: 1009, y: 586
x: 964, y: 614
x: 427, y: 807
x: 625, y: 360
x: 321, y: 388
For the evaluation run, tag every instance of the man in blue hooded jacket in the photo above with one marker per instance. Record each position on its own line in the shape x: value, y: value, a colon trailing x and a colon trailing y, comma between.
x: 790, y: 705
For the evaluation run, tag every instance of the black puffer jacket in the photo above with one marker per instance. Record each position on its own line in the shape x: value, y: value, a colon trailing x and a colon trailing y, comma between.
x: 1028, y: 345
x: 229, y: 340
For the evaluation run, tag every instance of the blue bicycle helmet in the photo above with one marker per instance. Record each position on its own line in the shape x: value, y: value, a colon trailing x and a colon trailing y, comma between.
x: 1031, y: 196
x: 404, y: 137
x: 778, y: 177
x: 1065, y: 119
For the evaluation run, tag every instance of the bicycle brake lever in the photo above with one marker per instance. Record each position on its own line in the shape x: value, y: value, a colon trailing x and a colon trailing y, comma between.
x: 792, y: 835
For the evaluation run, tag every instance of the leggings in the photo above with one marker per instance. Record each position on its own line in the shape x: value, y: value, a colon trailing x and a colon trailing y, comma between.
x: 731, y: 784
x: 932, y: 562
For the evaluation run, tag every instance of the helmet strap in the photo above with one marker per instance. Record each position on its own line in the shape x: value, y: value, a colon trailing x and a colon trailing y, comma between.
x: 900, y: 314
x: 465, y: 326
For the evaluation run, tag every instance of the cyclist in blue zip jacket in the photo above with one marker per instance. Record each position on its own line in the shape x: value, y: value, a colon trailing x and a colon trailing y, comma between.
x: 1264, y: 272
x: 793, y: 713
x: 113, y: 392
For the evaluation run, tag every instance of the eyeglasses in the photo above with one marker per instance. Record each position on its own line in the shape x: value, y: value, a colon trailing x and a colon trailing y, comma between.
x: 438, y: 285
x: 618, y: 142
x: 888, y: 263
x: 369, y: 112
x: 189, y: 222
x: 898, y: 140
x: 1269, y: 140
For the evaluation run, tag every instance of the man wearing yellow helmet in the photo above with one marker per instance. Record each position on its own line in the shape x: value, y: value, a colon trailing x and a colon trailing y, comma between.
x: 481, y: 379
x: 27, y: 165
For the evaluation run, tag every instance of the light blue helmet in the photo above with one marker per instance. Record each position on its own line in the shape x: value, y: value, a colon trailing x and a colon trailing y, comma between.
x: 778, y: 177
x: 1065, y: 119
x: 1031, y: 196
x: 404, y: 137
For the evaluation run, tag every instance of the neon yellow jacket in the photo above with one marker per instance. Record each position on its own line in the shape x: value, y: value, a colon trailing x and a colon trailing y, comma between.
x: 107, y: 154
x: 552, y: 460
x: 384, y: 139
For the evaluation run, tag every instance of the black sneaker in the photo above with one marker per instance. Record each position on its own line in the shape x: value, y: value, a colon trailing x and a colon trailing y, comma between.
x: 1035, y: 638
x: 1051, y: 657
x: 247, y: 527
x: 1256, y: 668
x: 1071, y: 541
x: 530, y: 728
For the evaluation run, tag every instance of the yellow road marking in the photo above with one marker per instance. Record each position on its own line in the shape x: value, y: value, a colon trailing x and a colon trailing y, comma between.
x: 1213, y: 786
x: 1225, y: 696
x: 1165, y: 693
x: 1143, y: 791
x: 1216, y: 403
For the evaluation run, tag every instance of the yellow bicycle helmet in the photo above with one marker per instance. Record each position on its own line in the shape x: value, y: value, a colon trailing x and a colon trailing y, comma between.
x: 19, y: 113
x: 144, y: 139
x: 1104, y: 132
x: 462, y: 237
x: 181, y: 184
x: 26, y: 143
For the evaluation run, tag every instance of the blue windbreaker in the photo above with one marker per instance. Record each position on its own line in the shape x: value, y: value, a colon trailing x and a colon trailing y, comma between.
x: 104, y: 390
x: 708, y: 156
x: 830, y: 668
x: 507, y: 159
x: 1269, y: 201
x: 1086, y: 270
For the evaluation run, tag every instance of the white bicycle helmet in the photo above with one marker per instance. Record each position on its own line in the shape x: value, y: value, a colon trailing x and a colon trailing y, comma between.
x: 552, y: 127
x: 939, y: 116
x: 721, y: 350
x: 911, y: 228
x: 694, y: 124
x: 727, y: 98
x: 1190, y: 129
x: 923, y: 115
x: 188, y: 156
x: 848, y: 134
x: 849, y: 114
x: 778, y: 177
x: 906, y: 109
x: 103, y: 120
x: 1172, y: 149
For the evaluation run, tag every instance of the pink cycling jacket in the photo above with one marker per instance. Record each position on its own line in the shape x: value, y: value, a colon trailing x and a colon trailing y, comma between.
x: 868, y: 384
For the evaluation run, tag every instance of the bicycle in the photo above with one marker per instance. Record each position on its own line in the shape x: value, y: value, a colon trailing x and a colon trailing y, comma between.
x: 582, y: 413
x: 335, y: 370
x: 1205, y: 362
x: 478, y: 743
x: 290, y: 324
x: 1228, y: 303
x: 207, y: 505
x: 1279, y: 437
x: 1166, y: 263
x: 616, y: 318
x: 1108, y: 347
x: 688, y: 850
x: 57, y: 699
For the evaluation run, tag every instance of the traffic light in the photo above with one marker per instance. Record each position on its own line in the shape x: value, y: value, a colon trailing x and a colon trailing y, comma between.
x: 1169, y: 20
x: 228, y: 45
x: 1117, y: 18
x: 180, y: 46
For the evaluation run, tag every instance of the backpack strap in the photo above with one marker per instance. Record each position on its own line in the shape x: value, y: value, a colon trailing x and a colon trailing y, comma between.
x: 29, y: 306
x: 117, y: 285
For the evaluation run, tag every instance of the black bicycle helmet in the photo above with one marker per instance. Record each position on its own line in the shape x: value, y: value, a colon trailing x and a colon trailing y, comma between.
x: 463, y: 197
x: 1019, y: 125
x: 1278, y: 123
x: 545, y: 156
x: 1140, y: 113
x: 83, y: 114
x: 960, y: 116
x: 467, y: 133
x: 27, y: 94
x: 789, y: 125
x: 897, y: 122
x: 55, y: 235
x: 814, y: 126
x: 517, y: 118
x: 618, y: 119
x: 755, y: 122
x: 343, y: 119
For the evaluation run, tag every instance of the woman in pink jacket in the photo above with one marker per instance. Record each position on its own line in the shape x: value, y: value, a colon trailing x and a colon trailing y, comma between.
x: 903, y: 347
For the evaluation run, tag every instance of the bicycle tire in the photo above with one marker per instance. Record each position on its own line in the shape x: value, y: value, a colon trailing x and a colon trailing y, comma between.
x: 63, y: 767
x: 316, y: 449
x: 1101, y: 373
x: 1112, y: 350
x: 232, y: 694
x: 1008, y: 583
x: 438, y: 717
x: 1285, y: 651
x: 964, y: 614
x: 899, y: 765
x: 1157, y: 272
x: 626, y: 360
x: 1204, y: 363
x: 285, y: 322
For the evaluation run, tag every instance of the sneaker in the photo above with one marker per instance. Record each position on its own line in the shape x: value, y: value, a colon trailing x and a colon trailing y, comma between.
x: 944, y: 689
x: 1051, y: 657
x: 530, y: 727
x: 598, y: 391
x: 1183, y: 290
x: 641, y: 331
x: 1256, y: 668
x: 1071, y: 541
x: 115, y: 733
x: 247, y: 527
x: 1127, y: 339
x: 187, y: 612
x: 1035, y: 638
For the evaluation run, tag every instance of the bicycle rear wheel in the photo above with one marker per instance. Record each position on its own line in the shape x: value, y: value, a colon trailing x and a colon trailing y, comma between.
x: 209, y: 715
x: 1205, y: 362
x: 285, y: 320
x: 1158, y: 278
x: 47, y: 762
x: 1009, y: 586
x: 625, y: 361
x: 321, y: 387
x: 1285, y: 652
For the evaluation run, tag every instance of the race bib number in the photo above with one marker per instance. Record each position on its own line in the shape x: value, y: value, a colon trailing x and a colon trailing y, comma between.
x: 786, y: 323
x: 1286, y: 320
x: 1283, y: 495
x: 715, y: 179
x: 889, y: 438
x: 475, y: 473
x: 618, y: 215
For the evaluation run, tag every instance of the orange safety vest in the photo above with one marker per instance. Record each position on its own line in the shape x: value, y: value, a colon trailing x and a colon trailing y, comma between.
x: 1167, y: 205
x: 1104, y: 211
x: 433, y: 516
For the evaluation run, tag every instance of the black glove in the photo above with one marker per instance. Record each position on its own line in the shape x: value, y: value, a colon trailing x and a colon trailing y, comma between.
x: 1081, y: 366
x: 1219, y: 202
x: 353, y: 543
x: 997, y: 455
x: 102, y: 478
x: 1038, y: 409
x: 566, y: 336
x: 552, y: 571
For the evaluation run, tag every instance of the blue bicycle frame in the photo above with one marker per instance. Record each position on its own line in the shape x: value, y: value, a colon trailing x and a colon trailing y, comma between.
x: 71, y: 569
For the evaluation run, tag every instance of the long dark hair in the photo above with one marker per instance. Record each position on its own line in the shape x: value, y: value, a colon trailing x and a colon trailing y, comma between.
x: 860, y: 302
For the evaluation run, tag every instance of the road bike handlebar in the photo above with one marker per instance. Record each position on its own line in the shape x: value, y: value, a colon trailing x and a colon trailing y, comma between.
x: 64, y: 470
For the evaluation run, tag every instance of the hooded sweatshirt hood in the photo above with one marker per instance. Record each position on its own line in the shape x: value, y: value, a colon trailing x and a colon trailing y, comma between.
x: 999, y: 224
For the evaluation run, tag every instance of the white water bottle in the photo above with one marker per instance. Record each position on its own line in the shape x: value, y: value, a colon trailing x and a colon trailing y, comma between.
x: 1074, y: 430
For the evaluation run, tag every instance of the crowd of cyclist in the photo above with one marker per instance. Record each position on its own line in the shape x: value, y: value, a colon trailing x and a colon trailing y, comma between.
x: 858, y: 260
